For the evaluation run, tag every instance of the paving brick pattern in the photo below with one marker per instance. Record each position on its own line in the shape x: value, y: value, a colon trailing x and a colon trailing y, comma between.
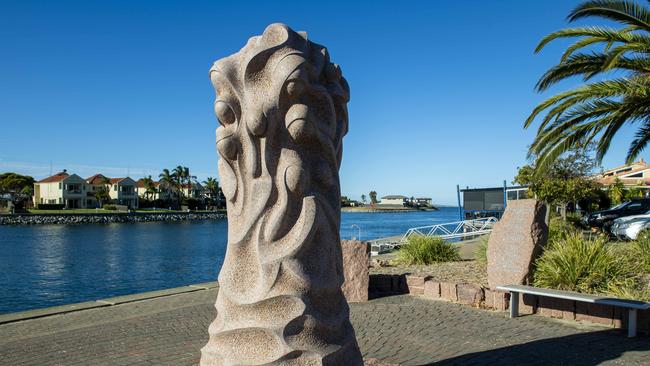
x: 399, y: 329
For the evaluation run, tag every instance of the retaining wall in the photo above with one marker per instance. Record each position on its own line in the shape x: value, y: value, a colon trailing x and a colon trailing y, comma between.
x: 478, y: 296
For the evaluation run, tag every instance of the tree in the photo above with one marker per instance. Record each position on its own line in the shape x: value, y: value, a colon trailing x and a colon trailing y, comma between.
x: 169, y: 181
x: 373, y: 197
x: 102, y: 193
x: 19, y: 188
x: 565, y: 181
x: 178, y: 177
x: 212, y: 186
x: 363, y: 198
x: 150, y: 187
x: 596, y: 111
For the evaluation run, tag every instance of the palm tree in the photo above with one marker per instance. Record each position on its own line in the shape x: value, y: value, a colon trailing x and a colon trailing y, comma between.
x: 189, y: 178
x: 597, y: 110
x: 179, y: 176
x: 168, y: 180
x: 150, y: 187
x: 212, y: 185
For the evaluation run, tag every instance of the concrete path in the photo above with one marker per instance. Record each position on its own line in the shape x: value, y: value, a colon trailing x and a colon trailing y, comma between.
x: 402, y: 329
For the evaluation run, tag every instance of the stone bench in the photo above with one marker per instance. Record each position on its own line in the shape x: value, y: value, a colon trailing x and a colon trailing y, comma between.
x: 631, y: 305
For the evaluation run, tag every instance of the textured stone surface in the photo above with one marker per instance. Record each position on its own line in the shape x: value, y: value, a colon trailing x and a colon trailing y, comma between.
x: 356, y: 260
x: 448, y: 291
x: 415, y: 284
x: 403, y: 330
x: 282, y: 106
x: 497, y: 300
x: 594, y: 313
x: 516, y: 240
x: 556, y: 308
x: 432, y: 289
x: 469, y: 294
x: 527, y: 304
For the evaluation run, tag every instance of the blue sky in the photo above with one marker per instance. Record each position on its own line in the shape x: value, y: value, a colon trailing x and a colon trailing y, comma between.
x: 439, y: 90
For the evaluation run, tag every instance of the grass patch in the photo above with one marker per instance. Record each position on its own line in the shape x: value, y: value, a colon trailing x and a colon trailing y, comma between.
x: 480, y: 254
x: 421, y: 249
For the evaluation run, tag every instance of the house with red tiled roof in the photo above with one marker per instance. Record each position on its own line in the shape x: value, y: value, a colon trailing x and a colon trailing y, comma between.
x: 162, y: 191
x: 194, y: 190
x: 635, y: 175
x: 61, y: 189
x: 123, y: 191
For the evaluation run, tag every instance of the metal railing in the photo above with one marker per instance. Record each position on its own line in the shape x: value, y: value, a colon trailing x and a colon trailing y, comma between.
x: 454, y: 230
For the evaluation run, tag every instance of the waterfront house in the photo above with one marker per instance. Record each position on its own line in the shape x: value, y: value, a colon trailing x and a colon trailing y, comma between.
x: 195, y: 191
x: 62, y: 190
x: 635, y: 175
x: 123, y: 192
x: 95, y: 183
x: 163, y: 192
x: 394, y: 201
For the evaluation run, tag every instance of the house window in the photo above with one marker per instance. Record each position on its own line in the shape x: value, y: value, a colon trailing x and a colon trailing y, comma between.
x: 60, y: 185
x: 115, y: 188
x: 637, y: 175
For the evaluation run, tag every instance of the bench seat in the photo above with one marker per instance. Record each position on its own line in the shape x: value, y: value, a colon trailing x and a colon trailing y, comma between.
x: 631, y: 305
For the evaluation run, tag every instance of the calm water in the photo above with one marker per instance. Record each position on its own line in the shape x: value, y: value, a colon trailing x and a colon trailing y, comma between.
x: 49, y: 265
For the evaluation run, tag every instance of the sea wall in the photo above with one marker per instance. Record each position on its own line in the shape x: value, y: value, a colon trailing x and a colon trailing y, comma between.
x: 106, y: 218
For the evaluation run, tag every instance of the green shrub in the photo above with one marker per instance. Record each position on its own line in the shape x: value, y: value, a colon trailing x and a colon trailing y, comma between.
x: 642, y: 250
x: 109, y: 207
x: 481, y: 250
x: 559, y: 229
x: 421, y: 249
x: 577, y: 264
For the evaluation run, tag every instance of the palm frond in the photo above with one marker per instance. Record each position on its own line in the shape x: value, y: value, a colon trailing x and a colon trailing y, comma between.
x: 641, y: 139
x: 622, y: 11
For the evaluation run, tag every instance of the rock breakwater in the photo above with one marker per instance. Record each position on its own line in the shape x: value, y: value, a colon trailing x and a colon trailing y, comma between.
x: 104, y: 218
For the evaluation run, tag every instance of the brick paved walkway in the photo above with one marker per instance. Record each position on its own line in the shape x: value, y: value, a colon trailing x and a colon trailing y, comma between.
x: 400, y: 329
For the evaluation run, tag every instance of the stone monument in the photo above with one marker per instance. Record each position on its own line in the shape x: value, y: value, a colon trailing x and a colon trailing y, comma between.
x: 282, y: 106
x: 516, y: 240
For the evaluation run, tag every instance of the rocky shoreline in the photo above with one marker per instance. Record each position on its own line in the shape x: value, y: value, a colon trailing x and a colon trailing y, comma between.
x: 106, y: 218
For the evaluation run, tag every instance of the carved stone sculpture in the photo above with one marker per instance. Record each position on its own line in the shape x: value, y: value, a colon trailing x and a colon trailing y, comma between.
x: 282, y: 106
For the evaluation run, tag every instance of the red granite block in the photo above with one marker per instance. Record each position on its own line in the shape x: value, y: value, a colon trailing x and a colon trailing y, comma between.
x: 432, y: 289
x: 595, y: 313
x: 448, y: 291
x: 556, y: 308
x: 527, y: 304
x: 469, y: 294
x: 497, y: 300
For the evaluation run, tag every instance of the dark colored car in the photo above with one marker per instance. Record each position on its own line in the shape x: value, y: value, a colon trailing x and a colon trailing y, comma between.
x: 604, y: 219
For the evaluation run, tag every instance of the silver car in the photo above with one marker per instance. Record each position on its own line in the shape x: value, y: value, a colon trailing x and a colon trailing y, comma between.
x: 629, y: 227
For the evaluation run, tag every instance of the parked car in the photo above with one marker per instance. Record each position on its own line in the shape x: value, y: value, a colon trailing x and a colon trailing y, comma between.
x: 603, y: 219
x: 629, y: 227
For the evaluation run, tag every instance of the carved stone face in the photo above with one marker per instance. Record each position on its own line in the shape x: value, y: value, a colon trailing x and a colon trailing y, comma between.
x: 280, y: 93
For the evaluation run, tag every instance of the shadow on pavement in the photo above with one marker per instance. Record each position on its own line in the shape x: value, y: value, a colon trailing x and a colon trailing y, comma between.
x: 583, y: 349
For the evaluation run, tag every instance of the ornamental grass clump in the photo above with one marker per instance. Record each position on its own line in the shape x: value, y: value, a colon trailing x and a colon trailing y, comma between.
x: 574, y: 263
x: 642, y: 251
x: 421, y: 249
